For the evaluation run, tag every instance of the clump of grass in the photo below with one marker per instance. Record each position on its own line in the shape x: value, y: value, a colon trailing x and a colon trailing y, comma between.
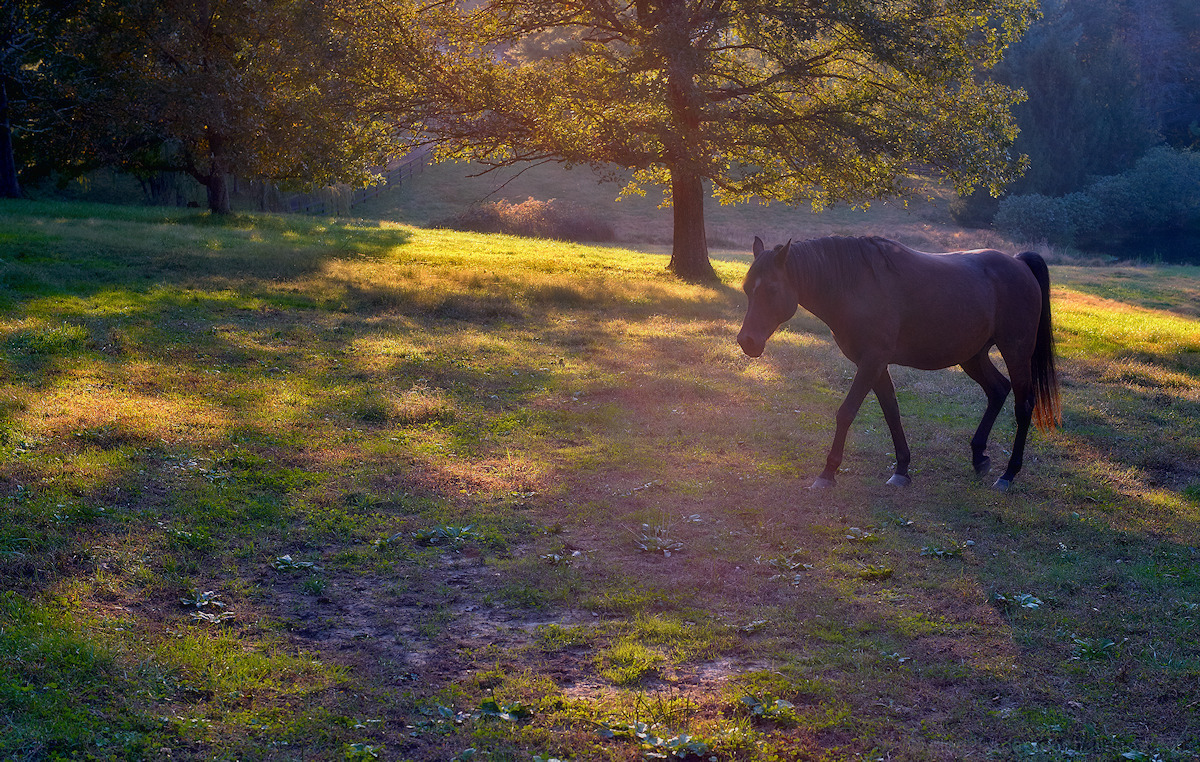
x: 555, y: 637
x: 47, y: 341
x: 418, y: 405
x: 629, y: 663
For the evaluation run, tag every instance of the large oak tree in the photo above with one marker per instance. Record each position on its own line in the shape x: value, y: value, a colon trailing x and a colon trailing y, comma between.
x: 796, y: 100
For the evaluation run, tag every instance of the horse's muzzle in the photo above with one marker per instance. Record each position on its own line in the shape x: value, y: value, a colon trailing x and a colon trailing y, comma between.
x: 751, y: 346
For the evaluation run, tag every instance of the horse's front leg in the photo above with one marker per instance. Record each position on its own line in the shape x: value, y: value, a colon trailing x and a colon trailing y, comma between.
x: 864, y: 380
x: 885, y: 392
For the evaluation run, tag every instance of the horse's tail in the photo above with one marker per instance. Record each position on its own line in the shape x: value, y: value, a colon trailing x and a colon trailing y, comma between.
x: 1047, y: 410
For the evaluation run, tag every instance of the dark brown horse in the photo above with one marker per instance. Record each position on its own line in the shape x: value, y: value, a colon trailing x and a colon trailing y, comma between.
x: 889, y: 304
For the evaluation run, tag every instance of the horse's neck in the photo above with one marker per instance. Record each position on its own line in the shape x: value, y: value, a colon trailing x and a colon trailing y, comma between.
x: 817, y: 282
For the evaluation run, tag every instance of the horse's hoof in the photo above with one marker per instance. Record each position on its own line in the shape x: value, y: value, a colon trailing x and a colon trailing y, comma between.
x: 822, y: 483
x: 899, y: 480
x: 983, y: 466
x: 1002, y: 484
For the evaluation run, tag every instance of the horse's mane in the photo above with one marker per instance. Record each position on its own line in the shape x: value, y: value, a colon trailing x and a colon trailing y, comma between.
x: 839, y: 262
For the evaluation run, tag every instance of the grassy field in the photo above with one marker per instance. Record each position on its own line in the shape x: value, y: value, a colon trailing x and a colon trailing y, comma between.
x: 280, y: 488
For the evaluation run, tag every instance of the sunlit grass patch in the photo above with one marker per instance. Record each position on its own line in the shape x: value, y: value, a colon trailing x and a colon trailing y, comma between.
x: 1091, y: 326
x: 629, y: 662
x: 1172, y: 289
x: 105, y: 416
x: 47, y: 340
x: 1143, y: 375
x: 224, y: 669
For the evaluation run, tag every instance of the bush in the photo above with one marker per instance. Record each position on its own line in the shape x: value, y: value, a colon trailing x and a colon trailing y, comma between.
x: 977, y: 210
x: 560, y: 220
x: 1161, y: 193
x: 1034, y: 217
x: 1153, y: 206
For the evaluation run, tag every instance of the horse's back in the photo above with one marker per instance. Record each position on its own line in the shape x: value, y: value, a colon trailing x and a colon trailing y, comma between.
x: 949, y: 306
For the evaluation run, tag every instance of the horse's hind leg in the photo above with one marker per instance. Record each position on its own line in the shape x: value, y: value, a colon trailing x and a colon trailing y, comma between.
x: 1022, y: 386
x: 1024, y: 410
x: 885, y: 392
x: 996, y: 387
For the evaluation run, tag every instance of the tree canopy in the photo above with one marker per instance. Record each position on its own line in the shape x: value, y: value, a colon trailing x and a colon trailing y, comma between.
x: 795, y: 100
x: 30, y: 59
x: 213, y: 87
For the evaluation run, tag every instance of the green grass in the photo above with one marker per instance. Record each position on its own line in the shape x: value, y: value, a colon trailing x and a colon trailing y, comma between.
x: 277, y: 488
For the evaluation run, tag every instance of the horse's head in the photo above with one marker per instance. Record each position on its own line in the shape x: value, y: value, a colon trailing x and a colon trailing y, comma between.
x: 773, y: 299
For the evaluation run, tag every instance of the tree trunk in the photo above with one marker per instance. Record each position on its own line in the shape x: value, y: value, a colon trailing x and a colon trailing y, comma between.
x: 9, y: 186
x: 217, y: 185
x: 689, y: 250
x: 217, y: 180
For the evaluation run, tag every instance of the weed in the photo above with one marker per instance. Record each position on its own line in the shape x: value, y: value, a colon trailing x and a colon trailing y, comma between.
x: 491, y: 709
x: 314, y: 585
x: 213, y: 618
x: 654, y: 741
x: 1013, y: 602
x: 360, y: 752
x: 1094, y: 649
x: 657, y: 540
x: 937, y: 551
x: 196, y: 599
x: 446, y: 534
x: 287, y: 563
x: 777, y: 710
x: 855, y: 534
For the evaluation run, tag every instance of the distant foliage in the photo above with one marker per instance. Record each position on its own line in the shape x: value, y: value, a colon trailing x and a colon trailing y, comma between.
x: 1155, y: 206
x: 1034, y: 217
x: 558, y: 220
x: 1106, y: 80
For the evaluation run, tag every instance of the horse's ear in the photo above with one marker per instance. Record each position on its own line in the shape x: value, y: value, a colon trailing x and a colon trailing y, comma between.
x: 782, y: 254
x: 759, y: 247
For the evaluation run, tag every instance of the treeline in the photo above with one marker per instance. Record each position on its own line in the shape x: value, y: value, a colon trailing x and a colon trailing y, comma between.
x: 1110, y: 126
x: 820, y: 102
x: 208, y: 88
x: 816, y: 102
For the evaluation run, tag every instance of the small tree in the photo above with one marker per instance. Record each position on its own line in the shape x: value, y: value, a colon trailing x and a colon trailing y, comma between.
x: 797, y: 100
x: 29, y: 61
x: 214, y: 87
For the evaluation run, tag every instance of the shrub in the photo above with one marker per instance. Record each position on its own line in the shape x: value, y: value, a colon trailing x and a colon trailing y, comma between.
x: 1034, y: 217
x: 1161, y: 192
x: 560, y: 220
x: 1157, y: 203
x: 977, y: 210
